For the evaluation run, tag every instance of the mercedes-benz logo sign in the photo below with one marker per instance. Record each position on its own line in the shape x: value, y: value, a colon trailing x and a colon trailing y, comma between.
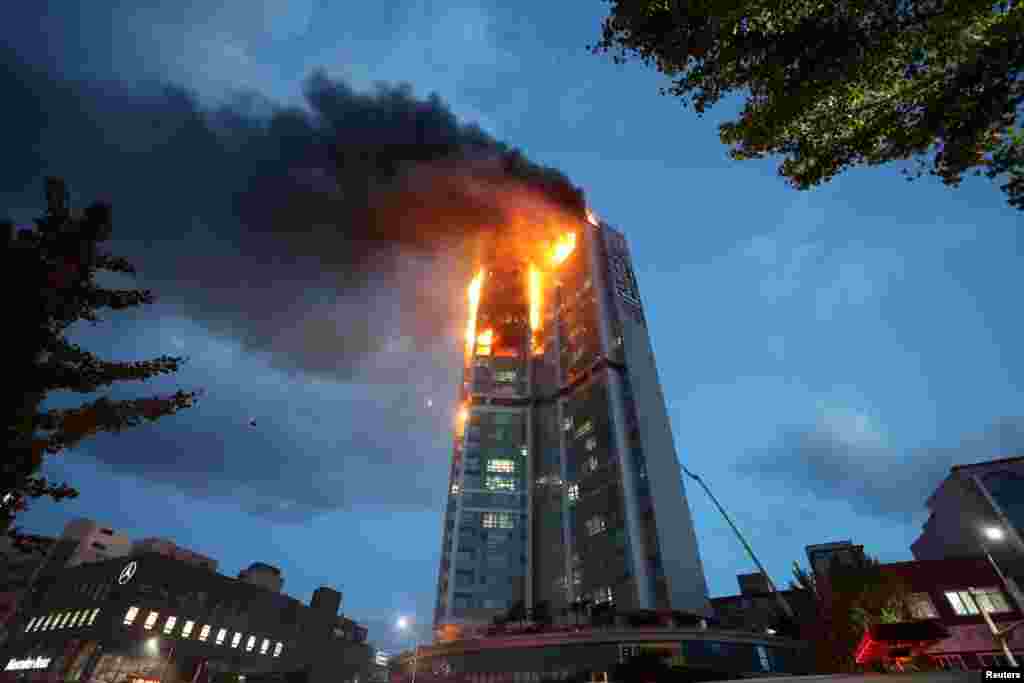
x: 127, y: 573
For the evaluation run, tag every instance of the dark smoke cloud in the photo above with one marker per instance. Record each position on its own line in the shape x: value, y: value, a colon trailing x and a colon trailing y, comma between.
x: 319, y: 235
x: 876, y: 480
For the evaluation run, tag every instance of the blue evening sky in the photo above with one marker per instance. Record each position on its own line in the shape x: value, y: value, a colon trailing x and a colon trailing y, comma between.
x: 825, y: 355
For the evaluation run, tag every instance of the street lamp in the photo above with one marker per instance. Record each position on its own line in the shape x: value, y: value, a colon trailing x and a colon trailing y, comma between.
x: 996, y: 533
x: 403, y: 624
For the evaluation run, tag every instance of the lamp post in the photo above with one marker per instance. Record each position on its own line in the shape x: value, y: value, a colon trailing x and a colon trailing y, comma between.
x: 783, y: 603
x: 404, y: 624
x: 1001, y: 636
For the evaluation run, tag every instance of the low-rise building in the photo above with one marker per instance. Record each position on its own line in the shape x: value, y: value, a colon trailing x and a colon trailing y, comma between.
x: 156, y: 617
x: 756, y: 609
x: 949, y: 594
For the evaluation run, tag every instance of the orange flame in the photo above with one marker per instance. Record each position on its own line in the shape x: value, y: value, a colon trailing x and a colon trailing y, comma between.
x: 473, y: 294
x: 486, y: 338
x: 534, y: 289
x: 565, y: 245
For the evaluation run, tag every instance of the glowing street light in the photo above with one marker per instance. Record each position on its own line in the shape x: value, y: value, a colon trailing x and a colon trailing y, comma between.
x: 405, y: 624
x: 1000, y: 635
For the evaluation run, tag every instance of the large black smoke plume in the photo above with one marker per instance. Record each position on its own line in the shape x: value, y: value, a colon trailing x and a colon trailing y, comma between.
x: 319, y: 234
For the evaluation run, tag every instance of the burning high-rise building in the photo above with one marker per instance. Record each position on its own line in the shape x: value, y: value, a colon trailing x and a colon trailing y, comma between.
x: 564, y: 483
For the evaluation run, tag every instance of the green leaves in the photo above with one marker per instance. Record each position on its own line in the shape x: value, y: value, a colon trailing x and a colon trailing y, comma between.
x: 830, y: 86
x: 55, y: 266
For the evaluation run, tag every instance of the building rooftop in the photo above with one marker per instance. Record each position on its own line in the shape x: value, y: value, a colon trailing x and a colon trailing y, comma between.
x: 1000, y: 461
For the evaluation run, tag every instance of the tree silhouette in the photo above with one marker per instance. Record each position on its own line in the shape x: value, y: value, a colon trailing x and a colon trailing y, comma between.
x: 52, y: 270
x: 831, y: 85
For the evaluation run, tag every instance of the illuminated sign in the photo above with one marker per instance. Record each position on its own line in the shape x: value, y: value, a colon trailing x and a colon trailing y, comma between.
x: 25, y: 664
x: 128, y: 573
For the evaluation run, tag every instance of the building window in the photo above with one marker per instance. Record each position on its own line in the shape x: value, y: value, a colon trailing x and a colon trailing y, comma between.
x: 204, y: 633
x: 151, y: 620
x: 573, y: 492
x: 500, y: 484
x: 584, y: 429
x: 250, y: 644
x: 591, y: 443
x: 498, y: 520
x: 186, y: 630
x: 236, y: 639
x: 221, y: 635
x: 991, y: 599
x: 277, y: 649
x: 264, y: 646
x: 596, y: 525
x: 95, y: 613
x: 129, y: 616
x: 501, y: 466
x: 962, y: 602
x: 921, y: 607
x: 604, y: 595
x: 169, y: 625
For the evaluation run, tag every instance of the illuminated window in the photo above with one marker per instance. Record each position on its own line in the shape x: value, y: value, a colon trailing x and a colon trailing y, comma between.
x: 591, y: 443
x: 991, y: 599
x: 596, y: 525
x: 604, y: 595
x: 501, y: 466
x: 250, y: 644
x: 455, y: 489
x: 221, y: 635
x: 169, y: 626
x: 574, y: 492
x: 151, y: 620
x: 30, y: 624
x: 92, y: 616
x: 129, y: 616
x: 585, y: 429
x: 506, y: 376
x: 236, y: 639
x: 264, y: 646
x: 498, y: 520
x: 204, y: 633
x: 278, y: 648
x: 500, y: 484
x: 962, y: 602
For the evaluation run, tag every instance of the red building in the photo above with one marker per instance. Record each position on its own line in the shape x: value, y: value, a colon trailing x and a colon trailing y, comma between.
x: 947, y: 623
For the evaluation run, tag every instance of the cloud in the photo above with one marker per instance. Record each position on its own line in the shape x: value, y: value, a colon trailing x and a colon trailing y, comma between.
x: 846, y: 457
x: 793, y: 264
